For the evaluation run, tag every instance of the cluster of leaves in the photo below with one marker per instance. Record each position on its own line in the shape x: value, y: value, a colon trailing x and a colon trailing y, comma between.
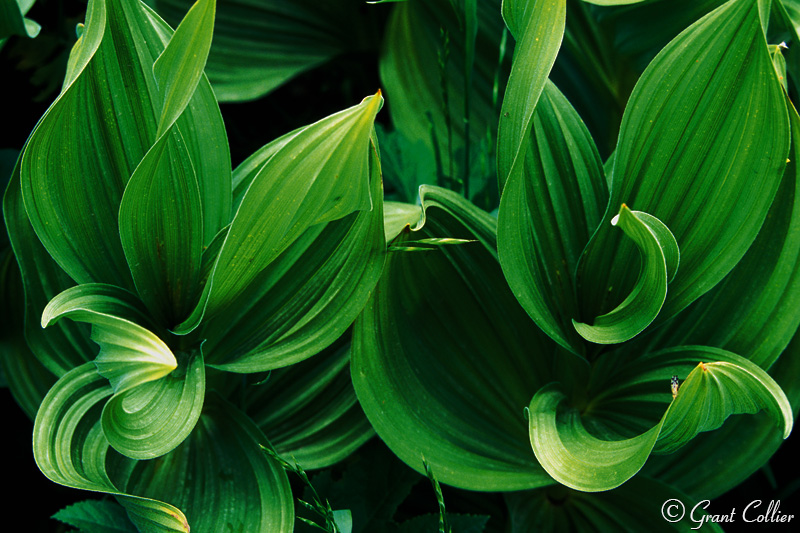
x: 498, y: 315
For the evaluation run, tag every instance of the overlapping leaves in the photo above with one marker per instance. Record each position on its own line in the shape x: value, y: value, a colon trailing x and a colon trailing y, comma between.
x: 138, y: 214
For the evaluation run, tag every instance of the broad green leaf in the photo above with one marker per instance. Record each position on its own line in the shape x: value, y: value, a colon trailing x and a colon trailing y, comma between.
x: 309, y: 410
x: 320, y: 175
x: 539, y: 238
x: 538, y: 28
x: 443, y: 335
x: 245, y: 173
x: 66, y: 345
x: 241, y: 489
x: 295, y: 311
x: 711, y: 392
x: 659, y: 263
x: 638, y: 505
x: 129, y: 354
x: 720, y: 460
x: 161, y: 229
x: 153, y: 418
x: 695, y: 121
x: 70, y: 448
x: 761, y: 325
x: 260, y: 45
x: 77, y: 162
x: 179, y: 68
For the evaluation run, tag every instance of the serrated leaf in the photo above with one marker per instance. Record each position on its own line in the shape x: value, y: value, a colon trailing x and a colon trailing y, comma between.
x: 97, y: 516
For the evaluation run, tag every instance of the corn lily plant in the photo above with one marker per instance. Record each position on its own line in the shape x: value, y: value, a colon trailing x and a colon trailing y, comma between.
x: 585, y: 262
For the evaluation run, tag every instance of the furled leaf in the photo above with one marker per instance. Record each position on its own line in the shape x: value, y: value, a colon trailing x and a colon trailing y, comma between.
x: 711, y: 392
x: 129, y: 354
x: 179, y: 68
x: 719, y: 460
x: 225, y: 451
x: 659, y: 263
x: 320, y: 175
x: 762, y: 324
x: 161, y: 228
x: 77, y: 162
x: 538, y: 28
x: 442, y: 334
x: 539, y: 239
x: 13, y: 20
x: 153, y: 418
x: 295, y: 311
x: 695, y: 121
x: 66, y: 345
x: 69, y: 447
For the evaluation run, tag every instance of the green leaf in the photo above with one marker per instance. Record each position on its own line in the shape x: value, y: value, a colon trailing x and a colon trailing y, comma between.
x: 13, y: 21
x: 98, y: 516
x: 297, y: 188
x: 538, y: 28
x: 695, y: 120
x: 66, y: 345
x: 77, y: 163
x: 153, y: 418
x: 129, y: 354
x: 761, y: 325
x: 310, y: 410
x: 296, y: 311
x: 719, y: 460
x: 179, y: 68
x: 161, y: 229
x: 421, y: 345
x: 539, y: 239
x: 70, y: 448
x: 245, y: 490
x: 660, y: 257
x: 439, y: 68
x: 711, y: 392
x: 373, y: 485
